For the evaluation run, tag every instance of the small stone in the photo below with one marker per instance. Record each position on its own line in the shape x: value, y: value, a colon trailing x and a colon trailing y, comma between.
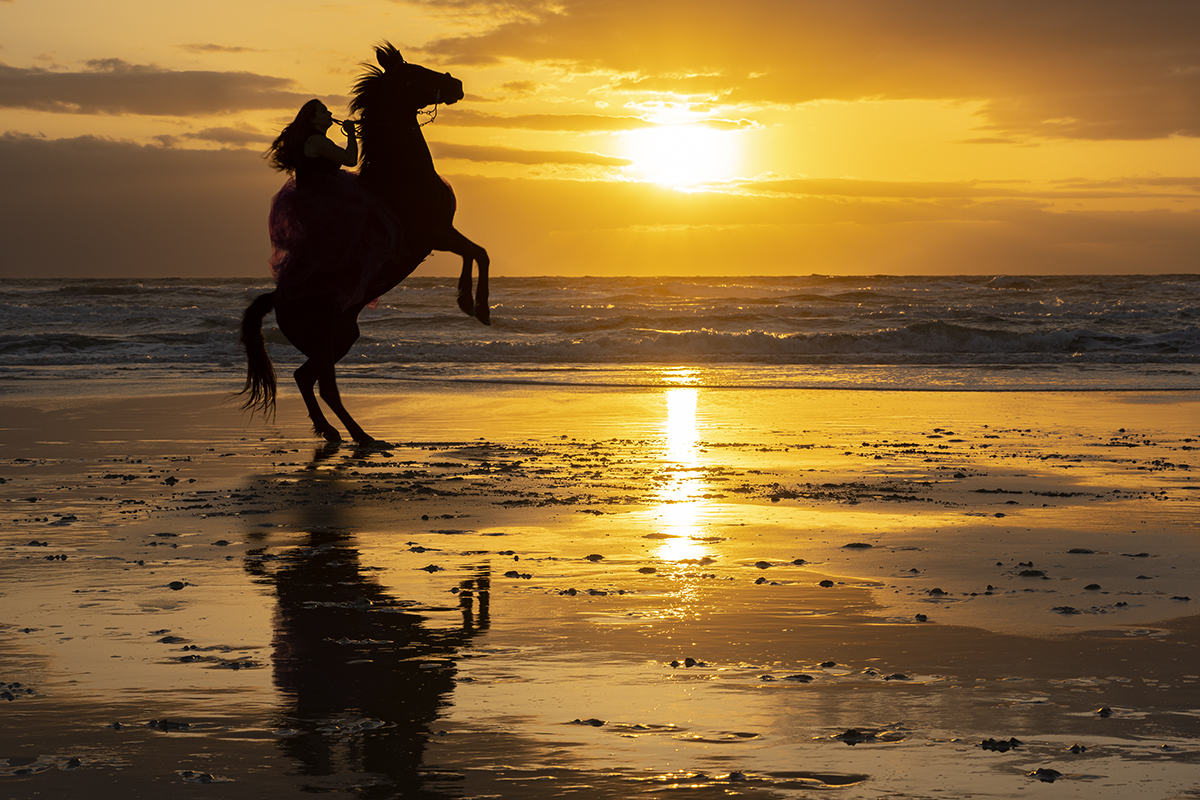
x: 175, y: 586
x: 825, y: 584
x: 1000, y: 745
x: 1045, y: 774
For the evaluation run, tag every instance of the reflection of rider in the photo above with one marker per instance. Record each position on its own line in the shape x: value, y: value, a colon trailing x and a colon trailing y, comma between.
x: 330, y: 235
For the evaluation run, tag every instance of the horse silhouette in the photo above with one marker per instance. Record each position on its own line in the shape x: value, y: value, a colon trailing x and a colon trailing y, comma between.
x: 398, y: 168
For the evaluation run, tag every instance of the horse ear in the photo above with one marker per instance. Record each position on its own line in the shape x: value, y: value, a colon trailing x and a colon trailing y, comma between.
x: 388, y: 56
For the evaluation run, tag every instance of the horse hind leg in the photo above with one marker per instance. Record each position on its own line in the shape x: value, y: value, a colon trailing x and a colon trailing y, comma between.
x: 306, y: 378
x: 333, y: 398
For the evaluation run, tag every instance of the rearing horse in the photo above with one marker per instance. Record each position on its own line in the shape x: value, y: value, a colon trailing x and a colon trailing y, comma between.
x: 396, y: 166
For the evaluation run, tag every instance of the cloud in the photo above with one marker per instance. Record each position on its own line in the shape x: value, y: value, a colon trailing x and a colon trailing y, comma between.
x: 115, y: 86
x: 1076, y: 69
x: 236, y: 137
x: 90, y: 207
x: 577, y: 123
x: 1077, y: 189
x: 511, y: 155
x: 601, y: 228
x: 217, y: 48
x: 95, y: 207
x: 466, y: 118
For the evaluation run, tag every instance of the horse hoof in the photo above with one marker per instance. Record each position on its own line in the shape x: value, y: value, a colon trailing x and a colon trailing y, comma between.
x: 483, y: 314
x: 466, y: 303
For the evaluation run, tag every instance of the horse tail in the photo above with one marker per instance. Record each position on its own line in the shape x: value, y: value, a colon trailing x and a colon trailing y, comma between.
x: 260, y: 373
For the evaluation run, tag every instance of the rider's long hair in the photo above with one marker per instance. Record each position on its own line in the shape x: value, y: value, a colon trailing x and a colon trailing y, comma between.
x: 288, y: 148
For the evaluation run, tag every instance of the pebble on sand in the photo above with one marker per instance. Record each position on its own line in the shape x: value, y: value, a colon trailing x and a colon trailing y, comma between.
x: 1001, y: 745
x: 1045, y: 774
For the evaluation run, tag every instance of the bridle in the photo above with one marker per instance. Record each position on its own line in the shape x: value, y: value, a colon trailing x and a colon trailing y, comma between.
x: 437, y: 99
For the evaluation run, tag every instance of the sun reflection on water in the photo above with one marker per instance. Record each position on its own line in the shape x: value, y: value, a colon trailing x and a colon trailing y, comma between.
x: 682, y: 504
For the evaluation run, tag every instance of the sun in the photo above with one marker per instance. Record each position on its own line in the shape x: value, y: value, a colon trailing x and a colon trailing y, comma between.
x: 683, y: 155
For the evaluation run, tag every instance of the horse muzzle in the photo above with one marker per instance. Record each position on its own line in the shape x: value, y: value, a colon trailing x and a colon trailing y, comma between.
x: 452, y: 90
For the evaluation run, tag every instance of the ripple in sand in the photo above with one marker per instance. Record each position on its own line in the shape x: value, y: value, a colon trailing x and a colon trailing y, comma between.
x: 718, y: 737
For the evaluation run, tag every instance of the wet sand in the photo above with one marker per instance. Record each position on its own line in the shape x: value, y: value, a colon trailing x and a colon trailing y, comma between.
x: 550, y: 592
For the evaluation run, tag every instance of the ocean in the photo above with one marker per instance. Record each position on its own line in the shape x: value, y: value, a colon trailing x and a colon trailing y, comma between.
x: 987, y: 333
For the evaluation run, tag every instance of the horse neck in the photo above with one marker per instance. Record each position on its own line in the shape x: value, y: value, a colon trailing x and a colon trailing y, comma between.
x: 395, y: 155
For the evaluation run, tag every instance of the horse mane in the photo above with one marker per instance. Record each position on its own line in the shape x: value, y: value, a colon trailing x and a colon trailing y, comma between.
x: 366, y: 86
x: 371, y: 80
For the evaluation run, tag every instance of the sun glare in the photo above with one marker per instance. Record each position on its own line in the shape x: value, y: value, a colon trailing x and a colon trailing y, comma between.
x: 683, y: 155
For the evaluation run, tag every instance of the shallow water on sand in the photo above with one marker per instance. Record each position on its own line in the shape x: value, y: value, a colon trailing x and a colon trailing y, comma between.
x: 609, y: 594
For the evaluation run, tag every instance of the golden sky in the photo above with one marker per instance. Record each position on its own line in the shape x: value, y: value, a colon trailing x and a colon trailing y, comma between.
x: 618, y: 137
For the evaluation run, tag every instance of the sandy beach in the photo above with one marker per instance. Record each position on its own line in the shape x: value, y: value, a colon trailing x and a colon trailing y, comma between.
x: 540, y: 591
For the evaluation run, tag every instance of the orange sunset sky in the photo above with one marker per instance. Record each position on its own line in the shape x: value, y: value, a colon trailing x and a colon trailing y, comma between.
x: 626, y: 137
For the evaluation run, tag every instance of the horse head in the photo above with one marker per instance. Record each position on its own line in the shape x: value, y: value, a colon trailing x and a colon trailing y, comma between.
x: 404, y: 86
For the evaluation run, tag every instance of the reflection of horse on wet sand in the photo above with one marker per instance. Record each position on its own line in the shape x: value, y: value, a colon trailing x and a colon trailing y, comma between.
x: 398, y: 168
x: 363, y: 676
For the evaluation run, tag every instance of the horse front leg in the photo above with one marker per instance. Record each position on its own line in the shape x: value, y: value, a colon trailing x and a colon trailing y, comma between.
x: 483, y: 312
x: 306, y: 378
x: 465, y: 300
x: 451, y: 241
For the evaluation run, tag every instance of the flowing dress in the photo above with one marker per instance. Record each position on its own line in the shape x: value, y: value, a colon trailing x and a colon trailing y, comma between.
x: 330, y: 235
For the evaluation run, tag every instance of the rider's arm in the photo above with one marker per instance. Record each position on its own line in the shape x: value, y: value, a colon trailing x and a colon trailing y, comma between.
x: 320, y: 145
